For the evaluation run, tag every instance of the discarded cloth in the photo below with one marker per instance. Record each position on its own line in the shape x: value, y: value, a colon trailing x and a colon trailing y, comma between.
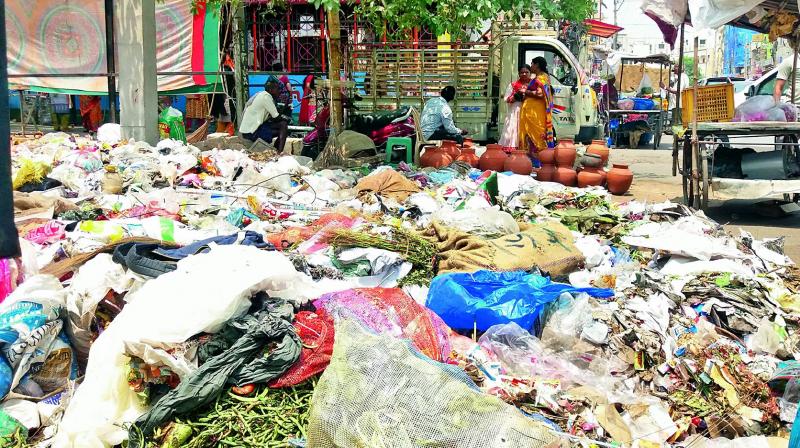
x: 388, y: 183
x: 237, y: 355
x: 247, y: 238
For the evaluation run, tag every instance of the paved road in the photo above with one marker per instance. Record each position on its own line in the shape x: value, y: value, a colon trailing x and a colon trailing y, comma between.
x: 653, y: 181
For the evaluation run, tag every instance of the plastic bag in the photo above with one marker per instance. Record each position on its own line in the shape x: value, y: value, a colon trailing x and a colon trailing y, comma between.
x: 625, y: 104
x: 754, y: 109
x: 568, y: 320
x: 789, y: 111
x: 391, y: 311
x: 776, y: 114
x: 170, y: 124
x: 31, y: 338
x: 708, y: 14
x: 487, y: 298
x: 380, y: 392
x: 488, y: 222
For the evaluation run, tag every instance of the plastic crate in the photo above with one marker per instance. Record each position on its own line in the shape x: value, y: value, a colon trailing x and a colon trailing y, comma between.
x: 714, y: 103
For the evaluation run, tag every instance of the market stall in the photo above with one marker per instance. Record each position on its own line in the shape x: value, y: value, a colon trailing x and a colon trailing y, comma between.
x: 640, y: 118
x: 717, y: 148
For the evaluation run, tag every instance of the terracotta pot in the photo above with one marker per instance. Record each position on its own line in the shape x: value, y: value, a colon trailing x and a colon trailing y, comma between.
x: 591, y: 160
x: 519, y: 163
x: 451, y: 148
x: 468, y: 156
x: 547, y: 157
x: 468, y: 143
x: 589, y: 177
x: 545, y: 173
x: 493, y: 159
x: 599, y: 148
x: 599, y: 171
x: 565, y: 176
x: 566, y: 153
x: 619, y: 179
x: 435, y: 157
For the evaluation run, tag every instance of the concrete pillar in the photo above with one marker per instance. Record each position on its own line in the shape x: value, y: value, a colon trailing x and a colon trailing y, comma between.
x: 138, y: 84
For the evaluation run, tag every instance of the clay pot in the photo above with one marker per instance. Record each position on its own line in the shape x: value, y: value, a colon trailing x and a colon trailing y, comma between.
x: 468, y: 143
x: 519, y: 163
x: 565, y: 176
x: 619, y: 179
x: 545, y: 173
x: 468, y: 156
x: 599, y: 171
x: 547, y: 157
x: 493, y: 159
x: 590, y: 177
x: 435, y: 157
x: 451, y: 148
x: 566, y: 153
x: 599, y: 148
x: 591, y: 160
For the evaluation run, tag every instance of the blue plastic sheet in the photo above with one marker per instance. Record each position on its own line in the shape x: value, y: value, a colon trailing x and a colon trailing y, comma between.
x: 489, y: 298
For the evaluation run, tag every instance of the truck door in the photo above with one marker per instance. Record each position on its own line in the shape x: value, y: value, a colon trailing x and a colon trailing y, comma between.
x: 565, y: 81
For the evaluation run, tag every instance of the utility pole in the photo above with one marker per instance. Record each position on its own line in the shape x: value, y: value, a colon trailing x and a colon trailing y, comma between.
x: 138, y: 82
x: 110, y: 60
x: 9, y: 239
x: 617, y: 6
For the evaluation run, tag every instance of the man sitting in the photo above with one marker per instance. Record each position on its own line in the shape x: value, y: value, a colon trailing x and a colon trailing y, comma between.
x: 437, y: 118
x: 261, y: 118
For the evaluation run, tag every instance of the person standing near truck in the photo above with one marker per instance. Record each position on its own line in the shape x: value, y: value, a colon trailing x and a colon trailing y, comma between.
x: 514, y: 96
x: 437, y: 118
x: 535, y: 117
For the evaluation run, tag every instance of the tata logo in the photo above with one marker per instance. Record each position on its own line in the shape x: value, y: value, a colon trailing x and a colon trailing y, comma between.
x: 471, y: 108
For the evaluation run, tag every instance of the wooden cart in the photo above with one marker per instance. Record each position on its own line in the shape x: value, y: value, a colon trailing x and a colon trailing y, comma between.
x: 697, y: 166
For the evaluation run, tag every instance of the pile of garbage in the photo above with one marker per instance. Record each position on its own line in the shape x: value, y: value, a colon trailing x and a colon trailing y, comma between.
x: 168, y: 296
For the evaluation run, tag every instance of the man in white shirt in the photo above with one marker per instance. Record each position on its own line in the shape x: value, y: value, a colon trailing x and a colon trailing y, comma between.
x: 261, y: 118
x: 436, y: 121
x: 783, y: 82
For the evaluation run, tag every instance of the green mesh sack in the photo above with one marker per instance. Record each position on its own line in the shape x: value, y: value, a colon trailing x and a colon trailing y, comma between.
x: 380, y: 392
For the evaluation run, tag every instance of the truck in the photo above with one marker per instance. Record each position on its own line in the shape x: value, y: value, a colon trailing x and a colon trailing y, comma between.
x: 388, y: 77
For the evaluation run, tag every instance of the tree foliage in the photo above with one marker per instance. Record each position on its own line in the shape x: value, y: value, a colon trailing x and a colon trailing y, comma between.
x: 455, y: 17
x: 688, y: 68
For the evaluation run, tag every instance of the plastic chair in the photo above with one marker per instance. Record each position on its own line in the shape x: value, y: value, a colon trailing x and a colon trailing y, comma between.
x: 400, y: 141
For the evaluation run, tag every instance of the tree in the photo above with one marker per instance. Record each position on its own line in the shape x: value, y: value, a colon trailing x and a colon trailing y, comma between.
x: 688, y: 68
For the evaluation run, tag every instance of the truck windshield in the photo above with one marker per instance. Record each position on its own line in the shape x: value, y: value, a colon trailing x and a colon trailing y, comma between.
x: 561, y: 71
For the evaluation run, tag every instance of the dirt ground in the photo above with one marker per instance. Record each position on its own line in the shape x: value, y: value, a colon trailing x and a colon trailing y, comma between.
x: 653, y: 181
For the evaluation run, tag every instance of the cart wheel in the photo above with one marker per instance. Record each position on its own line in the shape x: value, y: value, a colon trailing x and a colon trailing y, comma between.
x: 686, y: 172
x: 706, y: 153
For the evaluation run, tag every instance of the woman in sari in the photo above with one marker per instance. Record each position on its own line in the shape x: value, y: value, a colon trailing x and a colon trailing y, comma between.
x: 535, y: 116
x: 91, y: 112
x: 514, y: 96
x: 308, y: 106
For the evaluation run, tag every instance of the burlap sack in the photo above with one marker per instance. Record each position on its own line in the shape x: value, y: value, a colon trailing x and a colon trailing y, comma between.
x: 548, y: 246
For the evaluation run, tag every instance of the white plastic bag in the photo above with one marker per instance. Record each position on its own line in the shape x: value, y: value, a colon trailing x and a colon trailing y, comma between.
x: 707, y: 14
x: 486, y: 222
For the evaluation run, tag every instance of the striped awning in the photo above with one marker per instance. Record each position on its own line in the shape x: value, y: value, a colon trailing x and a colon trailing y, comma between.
x: 601, y: 29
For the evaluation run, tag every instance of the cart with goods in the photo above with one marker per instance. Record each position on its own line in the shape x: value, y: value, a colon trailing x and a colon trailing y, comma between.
x: 747, y: 152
